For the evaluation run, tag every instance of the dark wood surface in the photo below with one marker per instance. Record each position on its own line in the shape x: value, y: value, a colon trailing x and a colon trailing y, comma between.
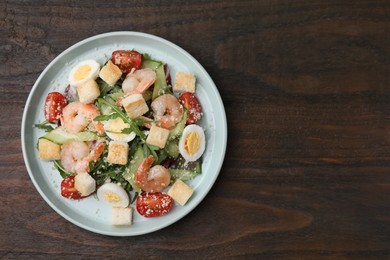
x: 306, y: 90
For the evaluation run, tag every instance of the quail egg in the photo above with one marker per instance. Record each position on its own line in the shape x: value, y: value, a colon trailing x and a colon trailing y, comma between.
x: 192, y: 143
x: 113, y: 194
x: 83, y: 71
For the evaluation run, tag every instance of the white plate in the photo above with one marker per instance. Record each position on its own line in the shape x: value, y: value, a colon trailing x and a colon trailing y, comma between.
x: 90, y: 213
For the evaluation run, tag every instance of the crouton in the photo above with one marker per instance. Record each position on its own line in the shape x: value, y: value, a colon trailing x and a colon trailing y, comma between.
x: 118, y: 152
x: 88, y: 91
x: 135, y: 105
x: 48, y: 150
x: 184, y: 82
x: 121, y: 216
x: 110, y: 73
x: 180, y: 192
x: 84, y: 183
x: 158, y: 136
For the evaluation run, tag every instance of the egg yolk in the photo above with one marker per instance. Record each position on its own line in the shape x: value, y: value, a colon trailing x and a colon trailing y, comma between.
x: 112, y: 197
x: 192, y: 143
x: 117, y: 125
x: 82, y: 72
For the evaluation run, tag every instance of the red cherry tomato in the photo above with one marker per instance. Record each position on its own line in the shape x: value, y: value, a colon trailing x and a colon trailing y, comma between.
x: 154, y: 204
x: 126, y: 60
x: 194, y: 110
x: 54, y: 104
x: 68, y: 190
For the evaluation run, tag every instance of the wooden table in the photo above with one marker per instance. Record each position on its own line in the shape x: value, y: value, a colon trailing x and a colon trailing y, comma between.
x: 306, y: 91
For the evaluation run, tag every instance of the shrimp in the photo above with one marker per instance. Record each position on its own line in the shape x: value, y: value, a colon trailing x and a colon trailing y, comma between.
x: 77, y: 116
x: 76, y: 155
x: 153, y: 179
x: 147, y: 121
x: 167, y: 110
x: 137, y: 82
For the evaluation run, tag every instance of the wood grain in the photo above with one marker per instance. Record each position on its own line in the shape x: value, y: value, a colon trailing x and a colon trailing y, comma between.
x: 306, y: 91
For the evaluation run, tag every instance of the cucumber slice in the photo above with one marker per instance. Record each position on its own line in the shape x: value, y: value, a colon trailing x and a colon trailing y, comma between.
x: 147, y: 95
x: 151, y: 64
x: 160, y: 85
x: 60, y: 136
x: 182, y: 174
x: 116, y: 95
x: 179, y: 128
x: 105, y: 109
x: 135, y: 162
x: 185, y: 170
x: 172, y: 148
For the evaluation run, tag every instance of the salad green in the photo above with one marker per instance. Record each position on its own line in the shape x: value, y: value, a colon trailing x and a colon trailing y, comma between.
x: 103, y: 138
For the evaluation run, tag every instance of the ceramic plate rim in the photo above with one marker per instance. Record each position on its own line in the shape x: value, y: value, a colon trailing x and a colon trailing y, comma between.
x: 222, y: 132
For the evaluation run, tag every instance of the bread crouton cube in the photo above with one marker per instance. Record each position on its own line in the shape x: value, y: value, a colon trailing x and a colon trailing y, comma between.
x: 184, y: 82
x: 84, y: 183
x: 121, y: 216
x: 158, y: 136
x: 135, y: 105
x: 180, y: 192
x: 88, y: 91
x: 110, y: 73
x: 118, y: 152
x: 48, y: 150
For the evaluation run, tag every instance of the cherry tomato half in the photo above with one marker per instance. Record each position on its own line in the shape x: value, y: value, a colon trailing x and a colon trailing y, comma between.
x: 154, y: 204
x: 68, y: 190
x: 191, y: 103
x: 126, y: 60
x: 54, y: 104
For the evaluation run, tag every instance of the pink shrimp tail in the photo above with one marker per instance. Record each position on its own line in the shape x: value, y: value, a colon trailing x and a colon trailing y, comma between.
x: 143, y: 85
x: 96, y: 152
x: 141, y: 176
